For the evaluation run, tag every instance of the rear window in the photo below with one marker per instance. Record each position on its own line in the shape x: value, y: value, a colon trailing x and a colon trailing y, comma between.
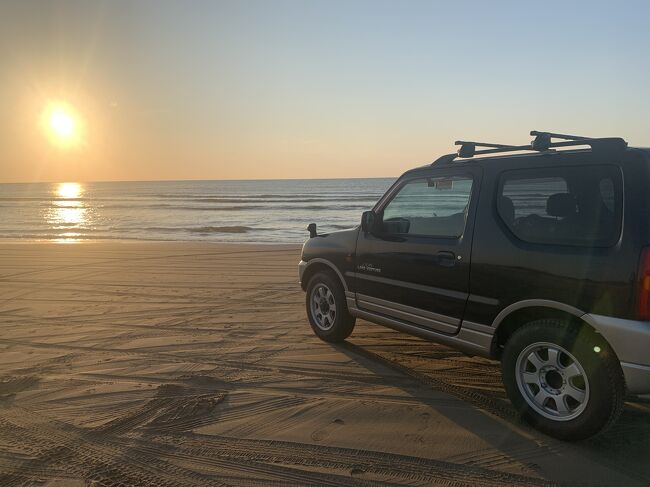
x: 580, y: 205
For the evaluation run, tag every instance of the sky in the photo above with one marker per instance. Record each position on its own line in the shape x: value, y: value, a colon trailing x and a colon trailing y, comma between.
x: 308, y: 89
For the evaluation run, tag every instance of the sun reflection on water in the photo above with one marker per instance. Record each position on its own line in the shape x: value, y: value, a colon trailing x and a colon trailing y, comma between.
x: 69, y: 190
x: 67, y: 212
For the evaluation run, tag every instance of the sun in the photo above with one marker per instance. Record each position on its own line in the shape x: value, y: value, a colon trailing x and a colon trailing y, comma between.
x: 61, y: 124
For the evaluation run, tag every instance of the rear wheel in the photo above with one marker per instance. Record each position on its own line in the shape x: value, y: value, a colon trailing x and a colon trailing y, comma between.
x: 327, y: 308
x: 564, y: 380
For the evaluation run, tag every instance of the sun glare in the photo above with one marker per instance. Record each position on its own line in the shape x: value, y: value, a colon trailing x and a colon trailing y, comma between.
x: 62, y: 125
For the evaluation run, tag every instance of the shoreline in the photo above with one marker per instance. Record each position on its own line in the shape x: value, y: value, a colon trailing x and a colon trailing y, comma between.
x: 108, y: 241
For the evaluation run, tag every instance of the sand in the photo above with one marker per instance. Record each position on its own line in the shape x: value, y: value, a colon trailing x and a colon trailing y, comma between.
x: 160, y: 364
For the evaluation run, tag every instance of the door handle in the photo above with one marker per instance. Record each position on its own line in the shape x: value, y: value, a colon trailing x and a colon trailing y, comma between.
x: 446, y: 258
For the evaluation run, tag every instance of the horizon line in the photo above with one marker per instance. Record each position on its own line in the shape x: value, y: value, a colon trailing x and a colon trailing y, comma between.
x: 187, y: 180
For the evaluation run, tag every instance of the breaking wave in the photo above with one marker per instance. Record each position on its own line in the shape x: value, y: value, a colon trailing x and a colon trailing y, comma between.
x: 226, y: 229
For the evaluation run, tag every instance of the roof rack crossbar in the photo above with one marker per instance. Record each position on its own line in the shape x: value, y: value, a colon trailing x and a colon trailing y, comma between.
x: 542, y: 143
x: 468, y: 148
x: 559, y: 136
x: 483, y: 144
x: 507, y: 148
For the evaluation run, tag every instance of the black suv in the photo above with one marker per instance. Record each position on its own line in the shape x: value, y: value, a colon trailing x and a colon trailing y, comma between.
x: 535, y: 256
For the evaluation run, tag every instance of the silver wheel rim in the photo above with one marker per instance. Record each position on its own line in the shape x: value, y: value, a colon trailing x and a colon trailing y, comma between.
x: 552, y: 381
x: 322, y: 306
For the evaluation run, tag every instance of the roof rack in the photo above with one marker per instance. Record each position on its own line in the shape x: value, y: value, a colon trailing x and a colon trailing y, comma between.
x: 541, y: 143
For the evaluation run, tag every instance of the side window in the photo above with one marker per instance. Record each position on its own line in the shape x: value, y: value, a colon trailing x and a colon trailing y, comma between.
x: 530, y: 196
x: 434, y: 207
x: 578, y: 205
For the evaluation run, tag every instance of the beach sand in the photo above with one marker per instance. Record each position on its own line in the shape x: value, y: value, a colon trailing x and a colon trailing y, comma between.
x: 161, y: 364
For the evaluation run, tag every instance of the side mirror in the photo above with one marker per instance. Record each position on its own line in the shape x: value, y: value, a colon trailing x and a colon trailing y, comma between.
x: 368, y: 219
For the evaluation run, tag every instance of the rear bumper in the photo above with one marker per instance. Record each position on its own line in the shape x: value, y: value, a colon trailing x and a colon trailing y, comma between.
x: 637, y: 378
x: 630, y: 340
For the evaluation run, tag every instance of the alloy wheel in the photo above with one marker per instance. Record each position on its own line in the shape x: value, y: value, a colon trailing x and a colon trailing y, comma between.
x: 323, y: 306
x: 552, y: 381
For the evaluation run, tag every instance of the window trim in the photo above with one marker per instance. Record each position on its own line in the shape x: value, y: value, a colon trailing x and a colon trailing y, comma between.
x: 395, y: 190
x: 620, y: 216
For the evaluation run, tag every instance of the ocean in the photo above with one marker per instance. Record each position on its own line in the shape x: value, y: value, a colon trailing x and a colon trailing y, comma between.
x: 276, y: 211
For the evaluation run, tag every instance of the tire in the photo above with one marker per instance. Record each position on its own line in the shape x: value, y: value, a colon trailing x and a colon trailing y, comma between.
x: 564, y: 380
x: 327, y: 309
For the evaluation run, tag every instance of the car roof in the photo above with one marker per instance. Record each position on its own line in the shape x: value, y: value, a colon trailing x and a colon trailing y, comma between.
x: 450, y: 161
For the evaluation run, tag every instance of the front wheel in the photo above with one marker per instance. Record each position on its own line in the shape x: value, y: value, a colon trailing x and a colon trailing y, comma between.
x: 564, y: 380
x: 327, y: 309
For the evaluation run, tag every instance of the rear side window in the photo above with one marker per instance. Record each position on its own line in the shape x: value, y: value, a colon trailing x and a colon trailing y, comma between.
x: 578, y: 205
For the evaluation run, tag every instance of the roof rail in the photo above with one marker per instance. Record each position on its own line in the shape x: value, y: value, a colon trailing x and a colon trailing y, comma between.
x: 541, y: 143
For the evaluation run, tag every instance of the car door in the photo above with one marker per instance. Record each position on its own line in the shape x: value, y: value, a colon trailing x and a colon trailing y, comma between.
x: 413, y: 264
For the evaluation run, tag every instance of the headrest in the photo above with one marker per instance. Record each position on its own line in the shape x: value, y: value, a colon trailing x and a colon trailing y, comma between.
x: 506, y: 209
x: 561, y: 205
